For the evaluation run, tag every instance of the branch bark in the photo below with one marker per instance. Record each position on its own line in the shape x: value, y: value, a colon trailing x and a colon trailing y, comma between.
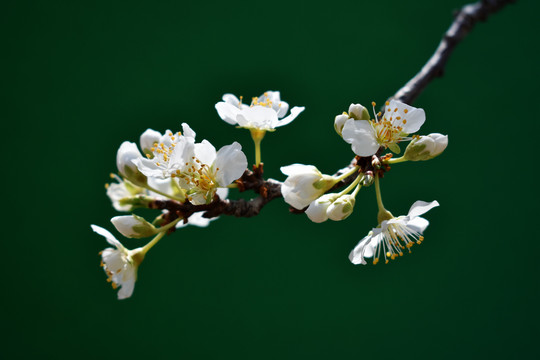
x: 464, y: 21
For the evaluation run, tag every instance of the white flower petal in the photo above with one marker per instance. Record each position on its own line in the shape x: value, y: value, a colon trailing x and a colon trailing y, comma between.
x: 127, y: 152
x: 223, y: 193
x: 228, y: 112
x: 127, y: 288
x: 316, y: 211
x: 298, y: 189
x: 148, y: 139
x: 295, y: 111
x: 162, y: 185
x: 418, y: 224
x: 414, y: 117
x: 441, y: 142
x: 205, y: 152
x: 148, y: 168
x: 108, y: 236
x: 188, y: 132
x: 231, y: 99
x: 117, y: 192
x: 231, y: 162
x: 297, y: 169
x: 361, y: 136
x: 282, y: 109
x: 196, y: 219
x: 415, y: 120
x: 364, y: 249
x: 421, y: 207
x: 258, y: 117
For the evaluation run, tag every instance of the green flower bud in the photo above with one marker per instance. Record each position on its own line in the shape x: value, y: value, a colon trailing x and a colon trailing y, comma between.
x: 133, y: 226
x: 426, y: 147
x: 341, y: 208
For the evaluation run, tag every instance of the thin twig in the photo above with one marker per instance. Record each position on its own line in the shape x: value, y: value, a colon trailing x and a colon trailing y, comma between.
x: 464, y: 21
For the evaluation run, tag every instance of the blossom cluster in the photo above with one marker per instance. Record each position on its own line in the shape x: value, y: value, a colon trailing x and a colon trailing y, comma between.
x: 173, y: 168
x: 306, y: 188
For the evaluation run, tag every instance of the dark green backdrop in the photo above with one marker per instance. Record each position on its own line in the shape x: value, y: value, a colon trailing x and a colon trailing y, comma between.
x: 81, y: 77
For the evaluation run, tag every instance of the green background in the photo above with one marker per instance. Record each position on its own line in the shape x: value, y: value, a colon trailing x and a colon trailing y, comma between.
x: 81, y: 77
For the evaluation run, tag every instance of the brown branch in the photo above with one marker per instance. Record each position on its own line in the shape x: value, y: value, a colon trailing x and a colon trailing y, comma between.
x: 268, y: 190
x: 464, y: 21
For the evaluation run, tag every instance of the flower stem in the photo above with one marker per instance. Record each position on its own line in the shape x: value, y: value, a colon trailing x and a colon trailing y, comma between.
x: 396, y: 160
x: 378, y: 192
x: 257, y: 136
x: 152, y: 242
x: 383, y: 213
x: 355, y: 192
x: 352, y: 185
x: 164, y: 194
x: 164, y: 228
x: 347, y: 174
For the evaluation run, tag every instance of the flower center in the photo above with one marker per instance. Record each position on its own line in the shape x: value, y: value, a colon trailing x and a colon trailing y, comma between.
x: 389, y: 129
x: 265, y: 101
x: 197, y: 176
x: 161, y: 152
x: 396, y: 238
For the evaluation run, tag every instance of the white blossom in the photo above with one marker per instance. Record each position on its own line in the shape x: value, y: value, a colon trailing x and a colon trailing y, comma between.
x: 209, y: 170
x: 120, y: 264
x: 398, y: 121
x: 266, y: 112
x: 393, y: 236
x: 304, y: 184
x: 169, y: 155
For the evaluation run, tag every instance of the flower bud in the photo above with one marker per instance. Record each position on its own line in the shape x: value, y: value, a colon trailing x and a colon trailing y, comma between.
x: 124, y: 161
x: 133, y: 226
x: 120, y: 191
x: 339, y: 122
x: 368, y: 178
x: 148, y: 139
x: 304, y: 184
x: 358, y: 112
x: 341, y: 208
x: 317, y: 210
x: 426, y: 147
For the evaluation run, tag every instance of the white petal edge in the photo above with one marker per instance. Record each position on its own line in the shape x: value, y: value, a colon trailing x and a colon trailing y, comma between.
x: 295, y: 111
x: 421, y: 207
x: 108, y: 236
x: 227, y: 112
x: 232, y: 163
x: 361, y: 136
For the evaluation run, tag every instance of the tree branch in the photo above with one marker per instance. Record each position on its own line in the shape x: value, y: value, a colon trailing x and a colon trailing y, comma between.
x: 268, y: 190
x: 464, y: 21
